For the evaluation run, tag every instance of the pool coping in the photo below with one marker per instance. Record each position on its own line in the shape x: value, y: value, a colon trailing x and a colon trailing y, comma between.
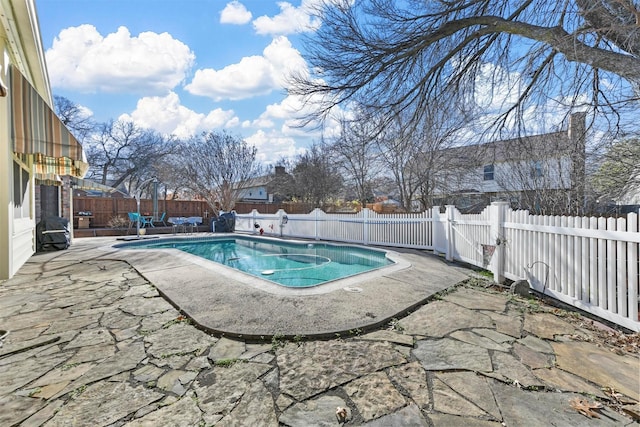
x: 226, y: 305
x: 266, y: 285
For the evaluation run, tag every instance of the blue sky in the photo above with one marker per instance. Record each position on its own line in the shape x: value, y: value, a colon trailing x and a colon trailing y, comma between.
x: 182, y: 67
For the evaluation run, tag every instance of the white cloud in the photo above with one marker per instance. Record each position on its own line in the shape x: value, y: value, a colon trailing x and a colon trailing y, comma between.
x: 496, y: 88
x: 235, y: 13
x: 82, y: 59
x: 252, y: 76
x: 290, y: 20
x: 166, y: 115
x: 292, y: 112
x: 84, y: 112
x: 273, y: 146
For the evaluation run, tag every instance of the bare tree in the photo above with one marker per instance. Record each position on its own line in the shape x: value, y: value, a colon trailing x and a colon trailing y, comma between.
x: 619, y: 173
x: 398, y: 149
x: 170, y: 172
x: 430, y: 168
x: 122, y: 153
x: 401, y: 56
x: 315, y: 178
x: 74, y: 117
x: 357, y: 154
x: 216, y: 165
x: 413, y: 153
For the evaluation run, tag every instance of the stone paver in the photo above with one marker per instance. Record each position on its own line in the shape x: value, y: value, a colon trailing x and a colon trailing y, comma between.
x: 318, y: 412
x: 255, y: 409
x: 434, y: 319
x: 183, y: 412
x: 448, y: 354
x: 317, y: 366
x: 374, y: 395
x: 221, y: 388
x: 447, y: 401
x: 474, y: 388
x: 409, y: 416
x: 92, y: 342
x: 227, y: 349
x: 587, y: 360
x: 522, y: 408
x: 103, y: 403
x: 413, y: 379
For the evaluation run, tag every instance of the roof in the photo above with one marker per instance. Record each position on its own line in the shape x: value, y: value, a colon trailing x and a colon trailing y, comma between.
x: 259, y: 181
x: 517, y: 149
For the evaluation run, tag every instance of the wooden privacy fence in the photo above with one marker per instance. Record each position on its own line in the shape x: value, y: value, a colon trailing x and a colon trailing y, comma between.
x: 104, y: 209
x: 590, y: 263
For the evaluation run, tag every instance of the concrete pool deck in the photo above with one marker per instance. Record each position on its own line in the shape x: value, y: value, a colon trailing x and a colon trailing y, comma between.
x: 231, y: 303
x: 91, y: 342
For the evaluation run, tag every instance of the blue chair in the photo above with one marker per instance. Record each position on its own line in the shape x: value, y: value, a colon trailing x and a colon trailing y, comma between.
x: 146, y: 220
x: 164, y: 214
x: 133, y: 218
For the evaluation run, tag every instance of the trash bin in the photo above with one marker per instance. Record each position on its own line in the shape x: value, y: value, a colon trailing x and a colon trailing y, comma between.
x: 52, y: 234
x: 226, y: 223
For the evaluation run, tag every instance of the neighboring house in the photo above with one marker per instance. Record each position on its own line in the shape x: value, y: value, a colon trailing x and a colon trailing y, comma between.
x: 255, y: 190
x: 630, y: 196
x: 542, y: 173
x: 262, y: 189
x: 37, y: 152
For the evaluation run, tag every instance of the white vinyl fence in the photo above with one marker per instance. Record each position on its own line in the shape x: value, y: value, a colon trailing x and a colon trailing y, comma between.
x: 590, y: 263
x: 365, y: 227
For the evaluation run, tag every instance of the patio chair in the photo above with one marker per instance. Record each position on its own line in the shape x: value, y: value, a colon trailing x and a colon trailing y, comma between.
x: 133, y: 218
x: 161, y: 219
x: 177, y: 223
x: 193, y: 222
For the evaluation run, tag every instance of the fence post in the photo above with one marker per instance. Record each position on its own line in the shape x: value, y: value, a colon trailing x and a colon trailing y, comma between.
x: 315, y: 231
x: 448, y: 232
x: 254, y: 214
x: 497, y: 212
x: 365, y: 226
x: 436, y: 237
x: 283, y: 219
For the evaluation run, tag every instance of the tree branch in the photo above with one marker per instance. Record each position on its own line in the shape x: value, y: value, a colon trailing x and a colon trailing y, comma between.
x: 626, y: 66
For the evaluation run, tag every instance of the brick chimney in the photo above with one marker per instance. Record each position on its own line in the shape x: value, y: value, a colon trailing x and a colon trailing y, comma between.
x: 577, y: 136
x: 577, y: 127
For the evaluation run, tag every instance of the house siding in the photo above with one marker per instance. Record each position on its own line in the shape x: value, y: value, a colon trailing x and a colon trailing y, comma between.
x: 553, y: 161
x: 17, y: 232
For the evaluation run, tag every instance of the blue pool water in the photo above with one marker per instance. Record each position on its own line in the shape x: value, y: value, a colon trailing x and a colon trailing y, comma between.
x: 291, y: 264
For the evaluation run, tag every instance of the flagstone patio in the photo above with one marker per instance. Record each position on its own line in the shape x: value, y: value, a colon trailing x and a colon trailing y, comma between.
x: 92, y: 342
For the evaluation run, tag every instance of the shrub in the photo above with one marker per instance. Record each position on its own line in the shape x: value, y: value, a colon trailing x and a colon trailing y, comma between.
x: 118, y: 222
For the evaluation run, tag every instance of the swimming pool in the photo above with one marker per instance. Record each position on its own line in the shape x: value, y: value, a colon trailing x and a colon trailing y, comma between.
x: 290, y: 264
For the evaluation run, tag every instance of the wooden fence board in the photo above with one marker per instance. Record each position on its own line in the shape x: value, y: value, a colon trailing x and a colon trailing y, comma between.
x: 104, y: 209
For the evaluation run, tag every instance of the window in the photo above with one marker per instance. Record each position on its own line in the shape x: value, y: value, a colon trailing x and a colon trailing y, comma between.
x: 21, y: 196
x: 536, y: 169
x: 488, y: 172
